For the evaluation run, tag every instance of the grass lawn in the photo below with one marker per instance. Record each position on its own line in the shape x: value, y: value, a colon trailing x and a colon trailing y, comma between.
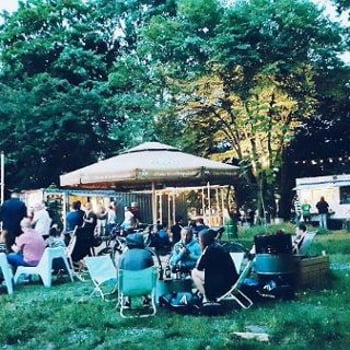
x: 64, y: 317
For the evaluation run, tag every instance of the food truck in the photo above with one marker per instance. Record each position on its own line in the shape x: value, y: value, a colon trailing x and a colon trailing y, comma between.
x: 334, y: 188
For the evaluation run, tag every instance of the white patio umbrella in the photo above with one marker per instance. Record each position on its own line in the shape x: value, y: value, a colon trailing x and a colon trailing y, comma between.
x: 150, y: 165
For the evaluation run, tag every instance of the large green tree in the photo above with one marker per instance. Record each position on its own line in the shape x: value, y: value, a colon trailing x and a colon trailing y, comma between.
x: 246, y: 76
x: 55, y: 57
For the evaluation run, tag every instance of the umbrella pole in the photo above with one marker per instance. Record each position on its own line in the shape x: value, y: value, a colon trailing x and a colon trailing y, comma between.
x: 169, y: 210
x: 154, y: 207
x: 174, y: 206
x: 209, y: 203
x: 161, y: 207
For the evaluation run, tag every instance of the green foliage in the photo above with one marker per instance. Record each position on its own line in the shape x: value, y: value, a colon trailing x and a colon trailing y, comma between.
x: 82, y: 79
x: 252, y: 83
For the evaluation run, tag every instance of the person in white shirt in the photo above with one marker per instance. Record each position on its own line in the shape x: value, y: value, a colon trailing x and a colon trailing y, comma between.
x: 41, y: 220
x: 129, y: 220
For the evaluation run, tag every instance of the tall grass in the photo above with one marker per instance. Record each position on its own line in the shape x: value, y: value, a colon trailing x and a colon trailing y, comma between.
x: 64, y: 317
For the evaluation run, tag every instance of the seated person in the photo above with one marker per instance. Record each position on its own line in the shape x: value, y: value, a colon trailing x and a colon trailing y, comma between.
x: 3, y: 237
x: 176, y: 230
x: 299, y: 238
x: 160, y: 239
x: 28, y: 247
x: 186, y: 252
x: 55, y: 240
x: 135, y: 258
x: 199, y: 226
x: 215, y: 272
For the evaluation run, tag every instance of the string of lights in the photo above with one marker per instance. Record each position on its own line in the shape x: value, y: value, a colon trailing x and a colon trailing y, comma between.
x: 323, y: 161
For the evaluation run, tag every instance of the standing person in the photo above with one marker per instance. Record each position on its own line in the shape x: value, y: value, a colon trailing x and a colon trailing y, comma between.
x: 90, y: 222
x: 306, y: 211
x: 111, y: 221
x: 215, y: 272
x: 322, y: 207
x: 75, y: 217
x: 134, y: 208
x: 134, y: 259
x: 12, y: 211
x: 129, y: 220
x: 297, y: 209
x: 28, y: 247
x: 41, y: 220
x: 101, y: 219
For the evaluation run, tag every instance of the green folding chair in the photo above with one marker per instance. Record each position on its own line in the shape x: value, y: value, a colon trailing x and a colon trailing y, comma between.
x: 137, y: 284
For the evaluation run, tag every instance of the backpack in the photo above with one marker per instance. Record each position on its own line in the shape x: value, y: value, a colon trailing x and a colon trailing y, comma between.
x: 181, y: 302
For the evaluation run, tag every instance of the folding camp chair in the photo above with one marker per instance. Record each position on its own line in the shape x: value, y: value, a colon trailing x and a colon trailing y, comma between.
x: 45, y: 267
x: 235, y: 293
x: 137, y: 284
x: 307, y: 241
x: 238, y: 260
x: 6, y: 273
x: 103, y: 274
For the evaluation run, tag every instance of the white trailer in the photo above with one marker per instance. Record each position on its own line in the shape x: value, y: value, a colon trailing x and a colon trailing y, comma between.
x: 335, y: 189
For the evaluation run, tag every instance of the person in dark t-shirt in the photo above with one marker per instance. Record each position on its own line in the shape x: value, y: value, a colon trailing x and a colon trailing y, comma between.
x: 215, y: 272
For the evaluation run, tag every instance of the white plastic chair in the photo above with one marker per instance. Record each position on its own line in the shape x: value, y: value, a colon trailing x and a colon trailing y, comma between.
x: 44, y: 268
x: 235, y: 293
x: 6, y: 272
x: 103, y: 274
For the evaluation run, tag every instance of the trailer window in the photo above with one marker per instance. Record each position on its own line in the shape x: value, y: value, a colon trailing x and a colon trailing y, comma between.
x: 345, y: 195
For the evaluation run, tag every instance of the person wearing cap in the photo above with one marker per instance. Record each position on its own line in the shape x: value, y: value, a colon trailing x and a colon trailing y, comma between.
x: 215, y: 272
x: 28, y: 248
x: 12, y: 211
x: 134, y: 259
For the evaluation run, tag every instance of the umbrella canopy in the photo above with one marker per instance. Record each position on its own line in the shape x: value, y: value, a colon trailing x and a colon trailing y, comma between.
x: 150, y: 163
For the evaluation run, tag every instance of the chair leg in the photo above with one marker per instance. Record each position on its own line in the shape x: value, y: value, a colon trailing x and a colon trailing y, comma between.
x: 69, y: 270
x: 46, y: 277
x: 244, y: 302
x: 9, y: 282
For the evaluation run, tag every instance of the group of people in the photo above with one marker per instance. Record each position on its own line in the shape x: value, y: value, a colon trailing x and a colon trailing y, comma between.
x: 26, y: 231
x: 196, y: 254
x: 302, y: 211
x: 194, y: 250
